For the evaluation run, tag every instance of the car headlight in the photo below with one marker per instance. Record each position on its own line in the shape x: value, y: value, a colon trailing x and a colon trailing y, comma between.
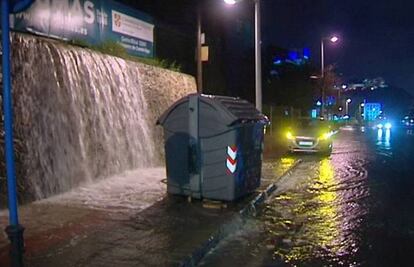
x: 325, y: 136
x: 388, y: 125
x: 289, y: 135
x: 380, y: 126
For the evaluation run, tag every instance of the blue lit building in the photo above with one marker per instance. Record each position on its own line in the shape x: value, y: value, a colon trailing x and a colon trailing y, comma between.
x: 372, y: 111
x: 290, y: 56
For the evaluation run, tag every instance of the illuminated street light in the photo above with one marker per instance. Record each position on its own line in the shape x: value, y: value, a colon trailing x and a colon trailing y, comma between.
x: 258, y: 51
x: 332, y: 39
x: 347, y: 105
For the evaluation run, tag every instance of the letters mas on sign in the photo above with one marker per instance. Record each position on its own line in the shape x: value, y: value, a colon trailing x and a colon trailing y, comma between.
x: 95, y: 22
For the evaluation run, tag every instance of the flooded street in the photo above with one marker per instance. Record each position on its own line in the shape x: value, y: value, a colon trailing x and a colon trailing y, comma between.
x: 124, y: 220
x: 351, y: 209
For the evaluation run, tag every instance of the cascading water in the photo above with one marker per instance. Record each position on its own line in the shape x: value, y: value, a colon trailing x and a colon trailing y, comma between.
x: 81, y: 115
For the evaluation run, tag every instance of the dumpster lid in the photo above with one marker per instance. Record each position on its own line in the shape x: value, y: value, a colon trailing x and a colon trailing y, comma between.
x: 231, y: 109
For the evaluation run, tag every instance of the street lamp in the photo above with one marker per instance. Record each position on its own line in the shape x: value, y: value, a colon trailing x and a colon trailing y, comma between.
x: 258, y: 52
x: 348, y: 101
x: 332, y: 39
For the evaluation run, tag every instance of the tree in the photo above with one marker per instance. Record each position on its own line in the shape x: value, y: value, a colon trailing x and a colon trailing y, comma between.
x: 330, y: 86
x: 290, y: 85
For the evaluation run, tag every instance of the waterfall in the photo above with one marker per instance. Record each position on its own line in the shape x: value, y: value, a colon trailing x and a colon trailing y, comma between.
x: 81, y: 115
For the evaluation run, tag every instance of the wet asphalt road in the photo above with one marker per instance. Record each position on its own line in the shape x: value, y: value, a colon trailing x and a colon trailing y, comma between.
x: 355, y: 208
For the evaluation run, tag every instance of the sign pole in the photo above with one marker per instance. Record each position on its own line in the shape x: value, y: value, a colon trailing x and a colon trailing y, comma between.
x: 199, y: 62
x: 258, y: 56
x: 14, y: 230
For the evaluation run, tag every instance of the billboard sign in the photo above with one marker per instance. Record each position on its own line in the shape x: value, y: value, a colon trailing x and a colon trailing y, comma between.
x: 92, y: 21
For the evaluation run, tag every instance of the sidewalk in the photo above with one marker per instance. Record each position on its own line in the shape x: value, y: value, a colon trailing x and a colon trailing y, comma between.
x: 126, y: 220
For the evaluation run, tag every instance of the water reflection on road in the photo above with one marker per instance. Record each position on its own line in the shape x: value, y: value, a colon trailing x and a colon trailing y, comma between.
x: 384, y: 139
x: 316, y: 222
x: 325, y: 212
x: 354, y: 208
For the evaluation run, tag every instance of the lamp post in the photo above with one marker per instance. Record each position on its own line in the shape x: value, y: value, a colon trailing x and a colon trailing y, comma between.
x: 361, y: 107
x: 332, y: 39
x: 199, y: 62
x: 258, y: 51
x: 348, y: 101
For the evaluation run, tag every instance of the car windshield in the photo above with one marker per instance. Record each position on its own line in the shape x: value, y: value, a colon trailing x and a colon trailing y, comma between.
x: 312, y: 124
x: 309, y: 124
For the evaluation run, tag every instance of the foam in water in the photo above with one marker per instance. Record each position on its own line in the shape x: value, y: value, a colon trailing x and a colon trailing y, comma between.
x: 132, y: 190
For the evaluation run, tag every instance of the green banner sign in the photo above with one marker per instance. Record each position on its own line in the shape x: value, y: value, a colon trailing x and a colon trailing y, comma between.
x: 92, y: 21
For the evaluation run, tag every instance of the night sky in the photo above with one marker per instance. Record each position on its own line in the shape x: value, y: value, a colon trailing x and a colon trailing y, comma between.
x: 377, y: 36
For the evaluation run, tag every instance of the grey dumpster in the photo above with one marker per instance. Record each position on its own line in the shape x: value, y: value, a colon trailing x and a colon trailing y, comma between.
x: 213, y: 147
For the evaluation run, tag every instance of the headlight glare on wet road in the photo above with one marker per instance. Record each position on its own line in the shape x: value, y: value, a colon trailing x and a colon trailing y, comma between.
x: 325, y: 136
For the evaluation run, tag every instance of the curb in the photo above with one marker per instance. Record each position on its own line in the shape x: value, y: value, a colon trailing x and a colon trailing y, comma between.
x: 250, y: 209
x: 235, y: 223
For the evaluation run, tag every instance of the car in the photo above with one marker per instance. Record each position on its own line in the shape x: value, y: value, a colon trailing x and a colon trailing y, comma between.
x: 312, y: 136
x: 408, y: 121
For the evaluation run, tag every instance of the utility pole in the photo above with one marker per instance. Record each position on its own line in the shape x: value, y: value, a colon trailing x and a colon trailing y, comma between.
x: 199, y: 62
x: 332, y: 39
x: 258, y: 56
x: 323, y: 78
x: 258, y: 50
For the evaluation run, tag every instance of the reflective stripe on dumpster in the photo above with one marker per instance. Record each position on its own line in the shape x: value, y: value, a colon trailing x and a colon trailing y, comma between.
x: 231, y: 161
